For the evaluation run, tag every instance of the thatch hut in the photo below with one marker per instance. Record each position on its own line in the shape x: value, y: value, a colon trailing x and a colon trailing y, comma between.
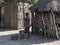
x: 46, y: 17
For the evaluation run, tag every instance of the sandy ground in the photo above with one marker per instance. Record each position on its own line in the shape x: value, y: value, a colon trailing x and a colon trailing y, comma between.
x: 34, y: 40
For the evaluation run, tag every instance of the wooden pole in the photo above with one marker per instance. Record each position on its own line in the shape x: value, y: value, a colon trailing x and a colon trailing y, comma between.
x: 32, y: 21
x: 43, y: 25
x: 51, y: 24
x: 55, y: 24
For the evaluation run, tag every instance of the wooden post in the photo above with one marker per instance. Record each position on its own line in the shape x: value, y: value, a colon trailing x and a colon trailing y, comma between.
x: 32, y: 21
x: 55, y: 24
x: 51, y: 25
x: 43, y: 24
x: 47, y: 25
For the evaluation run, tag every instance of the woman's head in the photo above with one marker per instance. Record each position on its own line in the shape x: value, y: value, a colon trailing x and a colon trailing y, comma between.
x: 27, y: 14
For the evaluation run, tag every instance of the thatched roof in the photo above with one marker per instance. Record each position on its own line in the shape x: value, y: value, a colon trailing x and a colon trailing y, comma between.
x: 45, y: 5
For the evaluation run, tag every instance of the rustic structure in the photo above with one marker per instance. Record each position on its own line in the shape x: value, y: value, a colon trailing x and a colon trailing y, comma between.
x: 45, y: 17
x: 11, y: 14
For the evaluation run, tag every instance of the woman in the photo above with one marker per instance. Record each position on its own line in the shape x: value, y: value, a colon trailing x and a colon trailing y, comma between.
x: 27, y: 26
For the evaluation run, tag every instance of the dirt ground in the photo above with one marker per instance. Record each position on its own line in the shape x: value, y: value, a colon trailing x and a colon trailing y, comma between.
x: 5, y: 39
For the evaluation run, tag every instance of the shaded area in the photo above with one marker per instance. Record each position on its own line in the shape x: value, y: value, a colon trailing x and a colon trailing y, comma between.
x: 34, y: 40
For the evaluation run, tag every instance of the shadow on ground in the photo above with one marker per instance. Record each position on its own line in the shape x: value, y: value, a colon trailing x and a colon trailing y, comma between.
x: 34, y: 40
x: 7, y: 29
